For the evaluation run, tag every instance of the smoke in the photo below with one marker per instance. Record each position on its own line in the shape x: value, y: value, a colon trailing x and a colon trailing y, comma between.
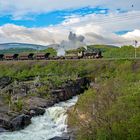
x: 61, y: 52
x: 74, y: 41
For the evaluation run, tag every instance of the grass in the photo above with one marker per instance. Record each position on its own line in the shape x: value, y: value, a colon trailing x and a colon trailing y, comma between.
x: 110, y: 109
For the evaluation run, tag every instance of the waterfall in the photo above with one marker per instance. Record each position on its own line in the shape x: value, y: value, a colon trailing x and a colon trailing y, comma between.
x: 53, y: 123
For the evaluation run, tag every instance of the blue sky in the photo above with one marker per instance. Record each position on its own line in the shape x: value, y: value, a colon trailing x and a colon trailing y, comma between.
x: 51, y: 18
x: 50, y: 21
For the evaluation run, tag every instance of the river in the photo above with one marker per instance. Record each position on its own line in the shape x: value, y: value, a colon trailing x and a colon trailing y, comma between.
x: 53, y: 123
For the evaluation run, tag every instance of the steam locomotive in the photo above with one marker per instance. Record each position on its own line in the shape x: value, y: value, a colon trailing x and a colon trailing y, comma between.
x: 47, y: 56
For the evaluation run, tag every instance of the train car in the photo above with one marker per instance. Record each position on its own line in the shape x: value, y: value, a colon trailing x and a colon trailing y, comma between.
x: 29, y: 56
x: 42, y: 56
x: 72, y: 56
x: 96, y: 54
x: 11, y: 56
x: 92, y: 55
x: 54, y: 57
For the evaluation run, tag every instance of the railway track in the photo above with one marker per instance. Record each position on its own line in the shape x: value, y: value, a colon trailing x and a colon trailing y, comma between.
x: 82, y: 59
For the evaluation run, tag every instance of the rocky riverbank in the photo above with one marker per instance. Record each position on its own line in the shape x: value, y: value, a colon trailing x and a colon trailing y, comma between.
x: 32, y: 104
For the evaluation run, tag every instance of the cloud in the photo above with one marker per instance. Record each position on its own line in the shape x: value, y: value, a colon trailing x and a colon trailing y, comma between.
x: 134, y: 34
x: 111, y: 22
x: 19, y: 9
x: 44, y: 36
x: 97, y: 29
x: 100, y: 29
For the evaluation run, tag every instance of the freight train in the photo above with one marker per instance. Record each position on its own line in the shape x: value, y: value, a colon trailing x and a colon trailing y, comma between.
x: 47, y: 56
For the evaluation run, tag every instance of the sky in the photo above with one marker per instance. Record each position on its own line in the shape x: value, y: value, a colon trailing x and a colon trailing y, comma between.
x: 47, y: 22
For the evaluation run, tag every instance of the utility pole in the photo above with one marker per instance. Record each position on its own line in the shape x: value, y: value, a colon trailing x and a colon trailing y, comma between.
x: 135, y: 43
x: 37, y: 49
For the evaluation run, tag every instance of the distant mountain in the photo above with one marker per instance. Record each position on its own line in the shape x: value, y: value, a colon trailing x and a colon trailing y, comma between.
x: 17, y: 50
x: 21, y: 45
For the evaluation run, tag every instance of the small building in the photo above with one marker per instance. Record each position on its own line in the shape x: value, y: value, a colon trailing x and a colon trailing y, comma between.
x: 11, y: 56
x: 29, y: 56
x: 42, y: 56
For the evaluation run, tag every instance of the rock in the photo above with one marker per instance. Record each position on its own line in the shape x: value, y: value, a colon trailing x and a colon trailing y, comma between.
x: 3, y: 130
x: 4, y: 81
x: 34, y: 102
x: 34, y: 106
x: 50, y: 103
x: 70, y: 89
x: 20, y: 122
x: 37, y: 111
x: 5, y: 124
x: 61, y: 138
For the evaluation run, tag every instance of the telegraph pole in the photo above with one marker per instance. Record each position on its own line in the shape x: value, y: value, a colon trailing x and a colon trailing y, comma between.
x: 135, y: 43
x: 37, y: 49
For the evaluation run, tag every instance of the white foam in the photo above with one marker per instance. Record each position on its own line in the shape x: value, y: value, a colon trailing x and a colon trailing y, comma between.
x: 52, y: 123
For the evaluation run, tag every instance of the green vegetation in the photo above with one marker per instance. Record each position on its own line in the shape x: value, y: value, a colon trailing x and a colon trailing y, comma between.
x: 50, y: 50
x: 110, y: 109
x: 47, y: 71
x: 14, y: 105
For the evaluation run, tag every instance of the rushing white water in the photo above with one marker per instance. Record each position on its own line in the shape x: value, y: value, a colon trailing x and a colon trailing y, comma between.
x: 52, y: 123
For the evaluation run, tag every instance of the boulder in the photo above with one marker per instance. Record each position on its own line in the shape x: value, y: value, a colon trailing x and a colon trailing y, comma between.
x: 3, y: 130
x: 5, y: 124
x: 34, y: 102
x: 36, y: 111
x: 20, y: 122
x: 70, y: 89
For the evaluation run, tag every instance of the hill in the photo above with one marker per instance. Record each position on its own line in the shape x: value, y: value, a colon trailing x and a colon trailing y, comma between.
x: 52, y: 51
x: 21, y: 45
x: 16, y: 50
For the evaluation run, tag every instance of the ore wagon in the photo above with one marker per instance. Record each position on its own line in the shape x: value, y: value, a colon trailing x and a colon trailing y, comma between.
x: 42, y: 56
x: 11, y: 56
x: 26, y: 56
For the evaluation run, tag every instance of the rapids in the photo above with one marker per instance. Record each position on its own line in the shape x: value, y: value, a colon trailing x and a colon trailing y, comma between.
x: 53, y: 123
